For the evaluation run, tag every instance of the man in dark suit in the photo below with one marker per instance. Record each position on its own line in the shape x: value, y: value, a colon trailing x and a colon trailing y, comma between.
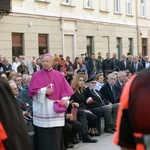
x: 107, y: 64
x: 123, y: 63
x: 92, y: 65
x: 115, y: 62
x: 111, y: 93
x: 141, y: 59
x: 129, y: 61
x: 136, y: 66
x: 121, y: 80
x: 101, y: 103
x: 18, y: 83
x: 146, y: 63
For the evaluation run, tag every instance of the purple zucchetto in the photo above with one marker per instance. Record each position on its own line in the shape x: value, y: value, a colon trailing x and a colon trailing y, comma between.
x: 48, y: 54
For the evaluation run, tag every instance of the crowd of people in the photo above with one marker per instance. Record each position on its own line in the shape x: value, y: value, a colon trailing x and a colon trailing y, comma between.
x: 92, y: 85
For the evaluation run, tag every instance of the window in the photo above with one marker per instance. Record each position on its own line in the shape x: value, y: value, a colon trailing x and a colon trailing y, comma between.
x: 46, y: 1
x: 119, y: 46
x: 143, y: 9
x: 144, y: 46
x: 89, y: 44
x: 43, y: 44
x: 130, y: 45
x: 129, y: 7
x: 17, y: 44
x: 66, y: 2
x: 88, y: 3
x: 104, y: 5
x: 117, y: 6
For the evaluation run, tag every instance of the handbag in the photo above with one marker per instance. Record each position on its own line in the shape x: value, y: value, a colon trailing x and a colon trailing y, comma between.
x: 59, y: 107
x: 74, y: 113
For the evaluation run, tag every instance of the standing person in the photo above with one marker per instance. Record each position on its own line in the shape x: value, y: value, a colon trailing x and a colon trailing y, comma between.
x: 92, y: 65
x: 115, y: 62
x: 123, y: 63
x: 33, y: 67
x: 69, y: 63
x: 15, y: 64
x: 47, y: 86
x: 133, y: 121
x: 64, y: 64
x: 136, y: 66
x: 146, y: 63
x: 11, y: 118
x: 107, y: 64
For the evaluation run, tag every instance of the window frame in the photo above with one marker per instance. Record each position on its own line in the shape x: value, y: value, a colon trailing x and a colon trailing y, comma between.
x: 67, y: 3
x: 45, y: 45
x: 107, y: 6
x: 91, y: 4
x: 117, y: 6
x: 44, y: 1
x: 129, y: 7
x: 143, y: 9
x: 17, y: 47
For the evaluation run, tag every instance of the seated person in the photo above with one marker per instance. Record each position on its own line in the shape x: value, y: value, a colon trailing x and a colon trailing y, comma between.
x: 97, y: 101
x: 24, y: 91
x: 22, y: 103
x: 70, y: 129
x: 83, y: 114
x: 12, y: 121
x: 100, y: 81
x: 111, y: 93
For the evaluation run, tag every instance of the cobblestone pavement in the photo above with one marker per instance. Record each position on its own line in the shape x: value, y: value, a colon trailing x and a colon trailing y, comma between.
x: 104, y: 143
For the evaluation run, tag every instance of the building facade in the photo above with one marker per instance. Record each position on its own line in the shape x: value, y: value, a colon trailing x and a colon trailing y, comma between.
x: 72, y: 27
x: 143, y: 26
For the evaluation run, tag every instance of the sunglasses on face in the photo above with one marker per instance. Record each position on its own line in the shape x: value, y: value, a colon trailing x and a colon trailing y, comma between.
x: 93, y: 82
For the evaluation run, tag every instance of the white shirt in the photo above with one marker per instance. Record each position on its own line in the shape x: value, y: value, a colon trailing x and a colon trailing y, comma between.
x: 98, y: 86
x: 147, y: 64
x: 15, y: 65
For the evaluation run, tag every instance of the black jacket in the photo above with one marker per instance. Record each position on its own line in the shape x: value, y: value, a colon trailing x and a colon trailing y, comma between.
x: 108, y: 94
x: 97, y: 100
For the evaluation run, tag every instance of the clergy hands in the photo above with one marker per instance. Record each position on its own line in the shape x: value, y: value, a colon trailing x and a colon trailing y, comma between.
x: 49, y: 90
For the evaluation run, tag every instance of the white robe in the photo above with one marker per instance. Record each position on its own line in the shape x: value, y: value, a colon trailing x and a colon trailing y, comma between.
x: 43, y: 113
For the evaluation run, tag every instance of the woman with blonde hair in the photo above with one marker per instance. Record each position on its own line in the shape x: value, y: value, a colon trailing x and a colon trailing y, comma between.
x: 83, y: 114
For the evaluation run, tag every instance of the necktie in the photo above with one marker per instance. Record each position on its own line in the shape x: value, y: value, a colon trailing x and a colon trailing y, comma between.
x: 125, y: 64
x: 135, y: 67
x: 114, y: 93
x: 34, y: 68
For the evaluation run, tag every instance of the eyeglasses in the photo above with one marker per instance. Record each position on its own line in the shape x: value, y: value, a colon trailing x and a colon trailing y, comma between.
x: 93, y: 82
x: 15, y: 89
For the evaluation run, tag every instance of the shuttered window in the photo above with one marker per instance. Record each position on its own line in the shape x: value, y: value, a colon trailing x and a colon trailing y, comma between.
x: 42, y: 44
x: 17, y: 44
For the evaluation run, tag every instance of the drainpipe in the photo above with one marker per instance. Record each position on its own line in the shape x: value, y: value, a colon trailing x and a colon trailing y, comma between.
x: 137, y: 27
